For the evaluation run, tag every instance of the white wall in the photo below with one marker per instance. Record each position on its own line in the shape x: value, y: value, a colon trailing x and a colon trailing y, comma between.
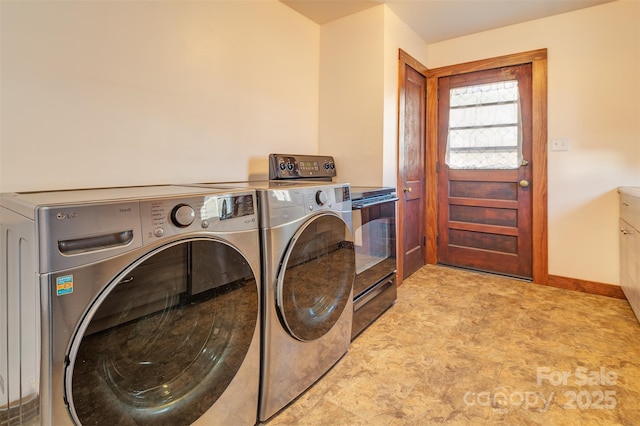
x: 351, y: 95
x: 359, y: 93
x: 121, y: 93
x: 594, y: 99
x: 397, y: 35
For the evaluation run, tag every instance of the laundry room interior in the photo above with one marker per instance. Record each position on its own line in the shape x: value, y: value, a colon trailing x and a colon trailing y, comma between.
x: 199, y: 96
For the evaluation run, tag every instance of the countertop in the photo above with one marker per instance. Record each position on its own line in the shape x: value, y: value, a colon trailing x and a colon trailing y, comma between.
x: 633, y: 191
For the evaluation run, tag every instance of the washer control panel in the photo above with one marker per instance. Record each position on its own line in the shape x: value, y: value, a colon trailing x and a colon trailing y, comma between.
x: 163, y: 218
x: 287, y: 166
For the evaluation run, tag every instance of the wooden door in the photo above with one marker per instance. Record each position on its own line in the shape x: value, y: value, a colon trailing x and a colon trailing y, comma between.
x: 484, y: 176
x: 411, y: 170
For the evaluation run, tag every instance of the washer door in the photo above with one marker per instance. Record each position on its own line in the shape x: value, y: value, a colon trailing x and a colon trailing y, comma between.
x: 316, y: 277
x: 164, y: 340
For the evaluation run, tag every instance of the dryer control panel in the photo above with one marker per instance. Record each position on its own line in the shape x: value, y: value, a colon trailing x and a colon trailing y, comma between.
x: 283, y: 205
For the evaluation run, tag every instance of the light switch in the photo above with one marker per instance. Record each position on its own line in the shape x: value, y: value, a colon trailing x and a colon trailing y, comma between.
x: 560, y: 144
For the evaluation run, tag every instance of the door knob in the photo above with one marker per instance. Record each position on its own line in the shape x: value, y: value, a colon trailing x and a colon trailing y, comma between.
x: 524, y: 183
x: 407, y: 190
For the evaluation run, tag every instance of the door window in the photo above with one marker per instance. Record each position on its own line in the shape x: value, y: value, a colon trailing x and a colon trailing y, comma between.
x: 485, y: 127
x: 315, y: 283
x: 166, y: 339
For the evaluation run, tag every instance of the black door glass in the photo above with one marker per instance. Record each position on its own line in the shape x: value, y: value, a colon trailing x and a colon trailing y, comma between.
x: 318, y: 278
x: 168, y: 339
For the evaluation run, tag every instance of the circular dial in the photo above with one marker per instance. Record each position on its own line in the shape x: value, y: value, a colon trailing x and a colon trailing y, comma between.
x: 183, y: 215
x: 321, y: 198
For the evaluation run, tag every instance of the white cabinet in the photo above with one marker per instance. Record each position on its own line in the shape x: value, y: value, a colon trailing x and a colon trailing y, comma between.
x: 630, y: 246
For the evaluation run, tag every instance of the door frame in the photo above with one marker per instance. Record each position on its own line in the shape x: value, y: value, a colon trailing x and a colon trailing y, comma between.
x: 538, y: 61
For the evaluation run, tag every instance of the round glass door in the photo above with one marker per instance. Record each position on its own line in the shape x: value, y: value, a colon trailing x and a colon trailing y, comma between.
x: 166, y: 337
x: 316, y: 278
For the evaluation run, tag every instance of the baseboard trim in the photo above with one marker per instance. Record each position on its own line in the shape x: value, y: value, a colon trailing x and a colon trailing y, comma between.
x: 585, y: 286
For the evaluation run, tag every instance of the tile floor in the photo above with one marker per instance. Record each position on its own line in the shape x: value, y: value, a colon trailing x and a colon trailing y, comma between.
x: 463, y: 348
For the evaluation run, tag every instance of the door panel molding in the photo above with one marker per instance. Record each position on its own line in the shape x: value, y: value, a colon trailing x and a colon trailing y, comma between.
x: 538, y: 61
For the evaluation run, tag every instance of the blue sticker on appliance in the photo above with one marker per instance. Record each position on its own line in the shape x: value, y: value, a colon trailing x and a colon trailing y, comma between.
x: 64, y: 285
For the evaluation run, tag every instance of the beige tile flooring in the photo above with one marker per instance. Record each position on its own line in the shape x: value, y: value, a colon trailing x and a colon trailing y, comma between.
x: 465, y: 348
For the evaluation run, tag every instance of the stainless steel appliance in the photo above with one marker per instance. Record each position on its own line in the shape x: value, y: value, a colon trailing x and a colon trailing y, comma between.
x: 374, y: 237
x: 130, y: 306
x: 308, y: 271
x: 374, y: 218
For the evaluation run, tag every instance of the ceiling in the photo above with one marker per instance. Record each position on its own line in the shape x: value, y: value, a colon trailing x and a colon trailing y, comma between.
x: 437, y: 20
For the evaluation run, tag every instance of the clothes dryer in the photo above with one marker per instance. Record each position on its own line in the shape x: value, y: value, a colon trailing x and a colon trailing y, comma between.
x: 374, y: 232
x: 308, y: 270
x: 130, y: 306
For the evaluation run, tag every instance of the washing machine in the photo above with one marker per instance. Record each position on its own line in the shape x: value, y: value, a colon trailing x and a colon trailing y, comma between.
x: 308, y: 271
x: 130, y: 306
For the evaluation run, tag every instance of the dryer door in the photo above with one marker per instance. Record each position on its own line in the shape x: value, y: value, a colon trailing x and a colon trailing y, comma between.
x: 164, y: 340
x: 316, y: 277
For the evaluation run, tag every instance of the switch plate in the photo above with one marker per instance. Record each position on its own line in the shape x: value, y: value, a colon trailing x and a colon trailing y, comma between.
x: 560, y: 144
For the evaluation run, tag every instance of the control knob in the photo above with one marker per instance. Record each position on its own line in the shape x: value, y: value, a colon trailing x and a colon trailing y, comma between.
x: 183, y: 215
x: 321, y: 198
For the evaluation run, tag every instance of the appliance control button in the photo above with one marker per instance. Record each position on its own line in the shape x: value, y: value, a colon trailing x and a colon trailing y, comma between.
x: 158, y: 232
x: 204, y: 224
x: 183, y: 215
x: 321, y: 198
